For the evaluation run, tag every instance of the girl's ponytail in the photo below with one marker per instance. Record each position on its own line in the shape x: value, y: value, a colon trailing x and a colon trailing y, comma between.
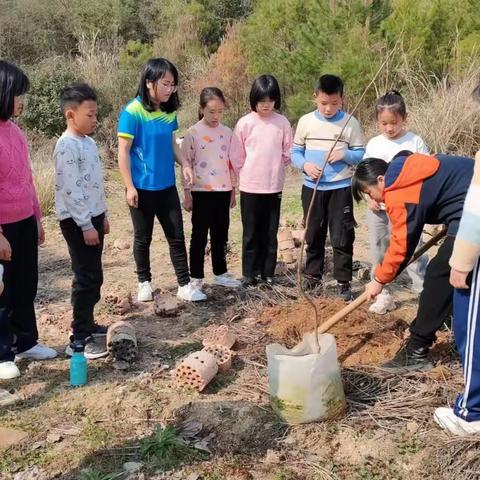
x: 392, y: 101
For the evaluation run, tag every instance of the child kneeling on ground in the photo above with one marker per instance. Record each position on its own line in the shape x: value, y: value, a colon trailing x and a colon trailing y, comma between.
x: 81, y: 208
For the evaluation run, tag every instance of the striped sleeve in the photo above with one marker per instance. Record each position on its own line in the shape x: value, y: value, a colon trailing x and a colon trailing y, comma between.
x: 298, y: 147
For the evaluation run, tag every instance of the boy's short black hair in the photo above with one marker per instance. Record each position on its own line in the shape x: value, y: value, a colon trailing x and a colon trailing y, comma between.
x: 13, y: 83
x: 76, y: 94
x: 330, y: 84
x: 265, y: 86
x: 154, y: 70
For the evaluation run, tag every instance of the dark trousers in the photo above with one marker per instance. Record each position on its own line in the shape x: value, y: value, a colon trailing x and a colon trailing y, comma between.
x: 210, y: 212
x: 435, y: 303
x: 332, y: 212
x: 18, y: 324
x: 87, y: 275
x: 260, y: 219
x: 165, y: 205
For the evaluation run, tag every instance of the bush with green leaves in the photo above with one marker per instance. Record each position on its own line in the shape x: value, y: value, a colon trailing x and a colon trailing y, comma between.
x: 43, y: 114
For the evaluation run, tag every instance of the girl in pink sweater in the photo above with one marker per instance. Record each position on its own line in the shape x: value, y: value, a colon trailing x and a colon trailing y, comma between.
x: 21, y: 232
x: 259, y: 153
x: 210, y: 188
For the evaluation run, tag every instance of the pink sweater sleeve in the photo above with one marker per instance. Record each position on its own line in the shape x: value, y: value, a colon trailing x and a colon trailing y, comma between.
x: 237, y: 148
x: 287, y: 143
x: 188, y: 150
x: 37, y: 211
x: 233, y: 175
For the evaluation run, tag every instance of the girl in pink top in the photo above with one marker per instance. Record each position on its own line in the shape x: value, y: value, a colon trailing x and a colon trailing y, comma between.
x: 259, y: 153
x: 21, y: 232
x: 210, y: 188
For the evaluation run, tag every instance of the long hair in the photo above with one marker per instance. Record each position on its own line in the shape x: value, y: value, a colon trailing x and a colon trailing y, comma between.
x: 154, y: 70
x: 13, y: 83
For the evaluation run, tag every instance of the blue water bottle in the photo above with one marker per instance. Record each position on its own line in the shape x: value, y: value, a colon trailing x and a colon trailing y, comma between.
x: 78, y: 365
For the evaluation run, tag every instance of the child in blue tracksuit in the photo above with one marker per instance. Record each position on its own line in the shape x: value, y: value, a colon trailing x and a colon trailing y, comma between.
x: 464, y: 418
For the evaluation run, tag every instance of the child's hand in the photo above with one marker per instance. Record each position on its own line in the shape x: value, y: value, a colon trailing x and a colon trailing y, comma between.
x: 373, y: 289
x: 312, y: 170
x: 336, y: 156
x: 41, y: 233
x: 373, y: 205
x: 132, y: 197
x: 5, y: 249
x: 233, y: 199
x: 188, y: 176
x: 106, y: 226
x: 187, y: 200
x: 458, y: 279
x: 90, y: 237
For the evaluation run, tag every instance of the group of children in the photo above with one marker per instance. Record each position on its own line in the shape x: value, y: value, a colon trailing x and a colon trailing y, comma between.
x: 404, y: 185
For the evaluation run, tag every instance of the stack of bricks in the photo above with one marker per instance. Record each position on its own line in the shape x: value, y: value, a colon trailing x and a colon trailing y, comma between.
x: 199, y: 368
x: 289, y: 243
x: 286, y: 247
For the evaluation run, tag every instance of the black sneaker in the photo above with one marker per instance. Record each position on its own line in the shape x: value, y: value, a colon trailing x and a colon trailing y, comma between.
x: 268, y: 280
x: 344, y: 291
x: 409, y: 359
x: 249, y: 282
x: 95, y: 347
x: 99, y: 331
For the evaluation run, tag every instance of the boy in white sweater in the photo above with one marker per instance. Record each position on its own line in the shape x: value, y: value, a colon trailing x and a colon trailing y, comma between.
x: 81, y: 209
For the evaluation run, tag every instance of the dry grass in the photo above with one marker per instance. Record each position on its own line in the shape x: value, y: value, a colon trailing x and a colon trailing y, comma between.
x: 44, y: 172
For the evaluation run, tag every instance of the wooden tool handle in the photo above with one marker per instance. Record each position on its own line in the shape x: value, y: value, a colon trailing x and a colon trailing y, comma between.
x: 343, y: 313
x: 325, y: 326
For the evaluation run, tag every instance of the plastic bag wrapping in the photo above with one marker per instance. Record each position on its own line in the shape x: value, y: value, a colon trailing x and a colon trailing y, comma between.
x: 305, y: 386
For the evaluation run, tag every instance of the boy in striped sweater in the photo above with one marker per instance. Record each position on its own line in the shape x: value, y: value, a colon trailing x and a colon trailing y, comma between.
x: 332, y: 211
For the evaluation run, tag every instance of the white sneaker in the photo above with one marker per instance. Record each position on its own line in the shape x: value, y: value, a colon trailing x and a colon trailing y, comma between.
x: 190, y: 294
x: 383, y: 304
x: 8, y: 370
x: 447, y: 420
x: 38, y: 352
x: 226, y: 280
x: 145, y: 292
x: 196, y: 283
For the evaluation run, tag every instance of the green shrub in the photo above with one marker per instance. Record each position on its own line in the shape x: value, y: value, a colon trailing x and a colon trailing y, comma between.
x: 43, y: 114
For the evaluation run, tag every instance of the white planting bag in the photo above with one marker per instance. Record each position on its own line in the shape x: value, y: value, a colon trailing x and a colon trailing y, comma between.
x: 305, y: 386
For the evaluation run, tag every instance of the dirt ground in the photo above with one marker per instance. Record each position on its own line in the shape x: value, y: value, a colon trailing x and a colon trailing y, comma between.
x: 91, y: 432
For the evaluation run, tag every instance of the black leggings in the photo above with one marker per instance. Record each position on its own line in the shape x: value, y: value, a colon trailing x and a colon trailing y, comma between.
x: 210, y: 212
x: 165, y: 205
x: 18, y: 324
x: 260, y: 219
